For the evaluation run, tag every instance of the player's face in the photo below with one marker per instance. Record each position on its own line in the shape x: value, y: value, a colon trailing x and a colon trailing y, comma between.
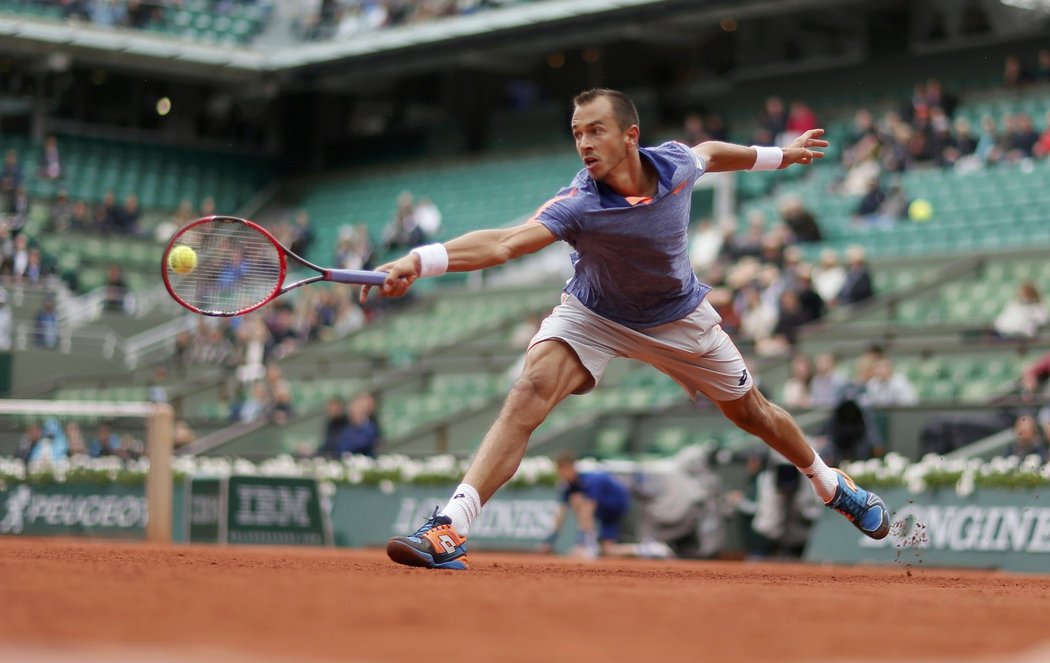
x: 600, y: 141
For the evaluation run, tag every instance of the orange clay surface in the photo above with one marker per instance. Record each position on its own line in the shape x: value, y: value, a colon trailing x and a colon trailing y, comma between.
x: 66, y: 600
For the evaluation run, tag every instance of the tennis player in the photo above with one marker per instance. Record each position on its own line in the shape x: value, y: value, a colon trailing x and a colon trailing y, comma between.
x: 633, y: 295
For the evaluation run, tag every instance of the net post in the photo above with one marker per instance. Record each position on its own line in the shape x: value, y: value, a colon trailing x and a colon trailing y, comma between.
x: 159, y: 442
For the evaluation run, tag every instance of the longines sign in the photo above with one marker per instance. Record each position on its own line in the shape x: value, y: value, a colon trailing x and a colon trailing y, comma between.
x: 1007, y: 529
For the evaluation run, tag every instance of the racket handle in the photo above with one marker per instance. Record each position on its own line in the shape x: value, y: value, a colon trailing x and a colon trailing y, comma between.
x: 354, y: 276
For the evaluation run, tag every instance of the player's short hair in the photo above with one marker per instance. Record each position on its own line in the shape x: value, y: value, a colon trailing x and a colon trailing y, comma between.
x: 565, y: 458
x: 623, y: 108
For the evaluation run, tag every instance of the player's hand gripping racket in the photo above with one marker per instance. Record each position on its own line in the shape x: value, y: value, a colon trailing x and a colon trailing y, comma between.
x: 225, y: 266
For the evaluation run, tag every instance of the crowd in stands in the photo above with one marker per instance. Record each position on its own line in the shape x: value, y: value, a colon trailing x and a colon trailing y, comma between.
x: 51, y: 441
x: 764, y: 291
x: 135, y: 14
x: 339, y: 19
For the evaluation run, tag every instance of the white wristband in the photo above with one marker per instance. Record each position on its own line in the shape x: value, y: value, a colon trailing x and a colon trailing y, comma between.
x: 767, y: 158
x: 433, y: 259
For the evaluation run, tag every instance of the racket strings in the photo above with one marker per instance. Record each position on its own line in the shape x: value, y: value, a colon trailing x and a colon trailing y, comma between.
x: 237, y: 267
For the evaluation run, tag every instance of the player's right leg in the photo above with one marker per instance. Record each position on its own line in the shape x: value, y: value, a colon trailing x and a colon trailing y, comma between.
x: 552, y: 371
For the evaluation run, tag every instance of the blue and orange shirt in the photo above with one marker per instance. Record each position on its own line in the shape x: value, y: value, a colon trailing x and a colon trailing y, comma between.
x: 631, y: 257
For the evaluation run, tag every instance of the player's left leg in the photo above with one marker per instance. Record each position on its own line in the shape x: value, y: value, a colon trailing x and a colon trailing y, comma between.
x: 755, y: 414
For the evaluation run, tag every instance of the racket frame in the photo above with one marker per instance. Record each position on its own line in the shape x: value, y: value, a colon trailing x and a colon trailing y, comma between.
x: 348, y: 276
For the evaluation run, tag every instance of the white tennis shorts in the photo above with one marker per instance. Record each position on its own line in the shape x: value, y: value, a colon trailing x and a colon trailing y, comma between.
x: 695, y: 351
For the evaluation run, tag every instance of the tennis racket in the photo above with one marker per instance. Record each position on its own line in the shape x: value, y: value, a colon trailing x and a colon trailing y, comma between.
x: 224, y: 266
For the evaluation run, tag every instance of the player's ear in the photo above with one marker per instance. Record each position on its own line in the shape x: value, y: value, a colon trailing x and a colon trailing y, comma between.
x: 632, y: 134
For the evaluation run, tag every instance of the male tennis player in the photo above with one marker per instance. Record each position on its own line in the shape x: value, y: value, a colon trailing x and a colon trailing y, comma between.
x: 633, y: 294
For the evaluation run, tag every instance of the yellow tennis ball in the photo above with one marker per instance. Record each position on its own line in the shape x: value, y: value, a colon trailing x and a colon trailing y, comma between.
x: 182, y: 260
x: 920, y: 210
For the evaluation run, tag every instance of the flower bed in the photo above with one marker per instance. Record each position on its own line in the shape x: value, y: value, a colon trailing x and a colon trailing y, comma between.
x: 353, y: 470
x: 962, y: 475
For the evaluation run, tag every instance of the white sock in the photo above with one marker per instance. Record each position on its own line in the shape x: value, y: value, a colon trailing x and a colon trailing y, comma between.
x: 463, y: 508
x: 824, y: 479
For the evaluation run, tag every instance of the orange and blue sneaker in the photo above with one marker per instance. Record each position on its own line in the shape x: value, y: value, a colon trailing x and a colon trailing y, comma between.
x: 863, y: 508
x: 435, y: 545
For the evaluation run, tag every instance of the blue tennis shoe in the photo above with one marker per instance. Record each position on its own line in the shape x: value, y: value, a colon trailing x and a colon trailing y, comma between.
x: 863, y: 508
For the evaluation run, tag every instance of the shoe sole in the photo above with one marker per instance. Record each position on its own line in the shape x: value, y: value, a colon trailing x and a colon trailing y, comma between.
x: 402, y: 553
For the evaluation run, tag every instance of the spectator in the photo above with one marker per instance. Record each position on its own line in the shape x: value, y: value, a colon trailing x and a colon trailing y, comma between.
x: 282, y: 409
x: 757, y: 320
x: 937, y: 98
x: 116, y: 290
x: 1042, y: 66
x: 127, y: 216
x: 1041, y: 149
x: 991, y: 145
x: 829, y: 276
x: 104, y: 443
x: 354, y: 250
x: 284, y: 337
x: 797, y: 387
x: 402, y: 232
x: 790, y: 318
x: 50, y: 161
x: 1023, y: 138
x: 361, y: 434
x: 1023, y: 316
x: 887, y: 387
x: 705, y: 245
x: 18, y: 209
x: 1014, y: 75
x: 870, y: 204
x: 335, y: 424
x: 11, y: 177
x: 857, y: 286
x: 107, y: 214
x: 964, y: 146
x: 45, y: 325
x: 774, y: 122
x: 302, y: 234
x: 75, y: 442
x: 32, y: 437
x: 427, y: 217
x: 799, y: 220
x: 81, y: 219
x: 207, y: 207
x: 257, y: 406
x: 810, y: 301
x: 7, y: 324
x: 828, y: 385
x: 801, y: 119
x: 35, y: 269
x: 1028, y: 439
x: 18, y: 257
x: 60, y: 214
x: 694, y: 130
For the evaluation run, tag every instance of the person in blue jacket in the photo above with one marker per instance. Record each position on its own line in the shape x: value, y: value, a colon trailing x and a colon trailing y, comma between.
x: 598, y: 500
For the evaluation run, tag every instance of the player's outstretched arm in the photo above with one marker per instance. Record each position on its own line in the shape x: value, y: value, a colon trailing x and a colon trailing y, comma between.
x: 475, y: 250
x: 723, y: 157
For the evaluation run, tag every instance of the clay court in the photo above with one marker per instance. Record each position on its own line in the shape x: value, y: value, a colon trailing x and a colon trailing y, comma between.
x: 125, y: 601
